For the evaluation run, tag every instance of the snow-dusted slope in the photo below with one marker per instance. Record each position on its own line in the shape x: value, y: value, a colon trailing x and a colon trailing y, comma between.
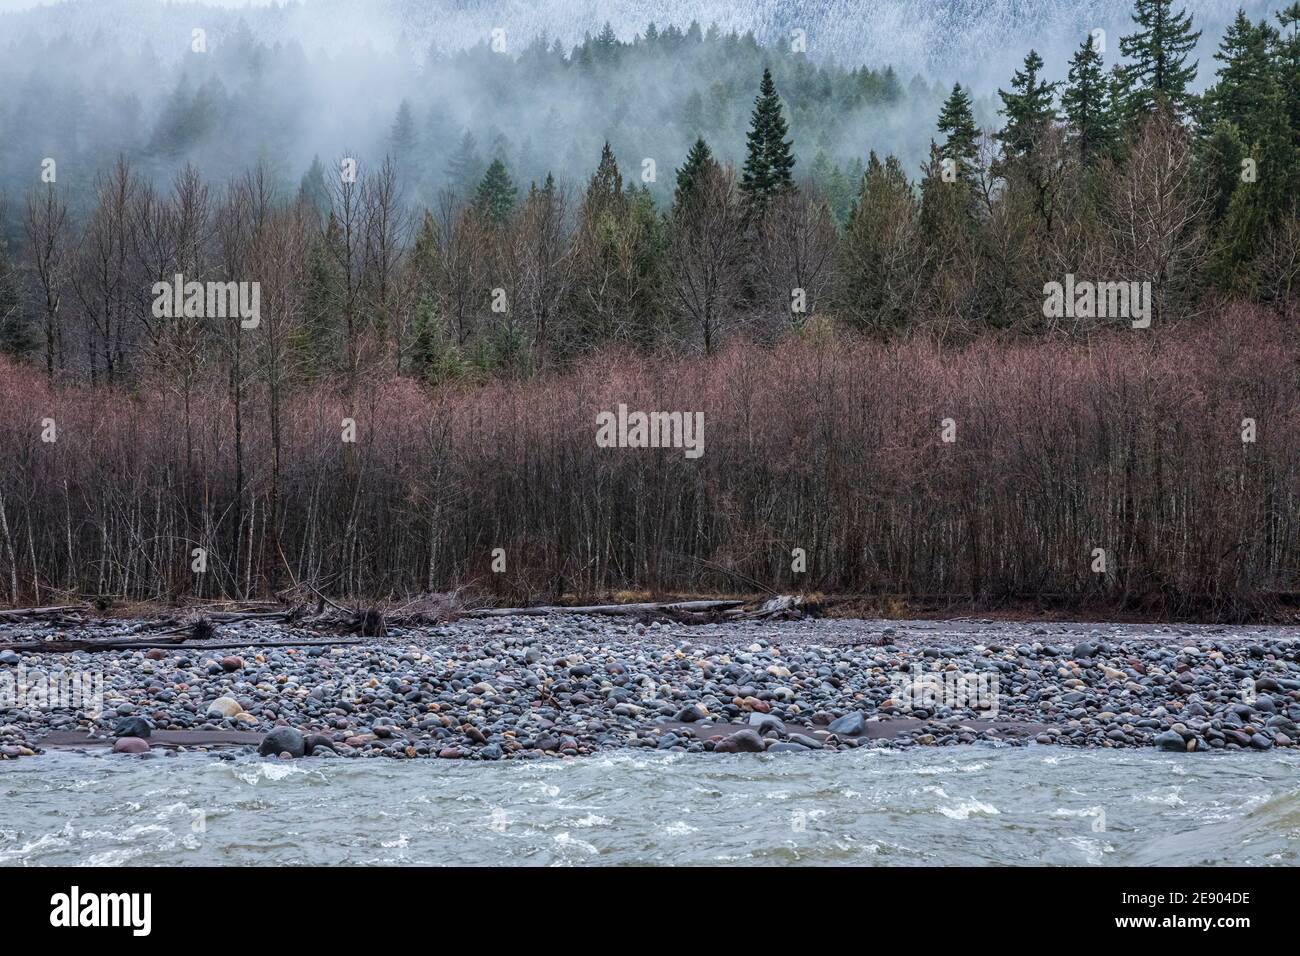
x: 979, y: 40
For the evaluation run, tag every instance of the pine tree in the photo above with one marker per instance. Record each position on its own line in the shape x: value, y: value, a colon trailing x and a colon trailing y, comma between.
x: 605, y: 191
x: 312, y: 189
x: 401, y: 138
x: 496, y: 194
x: 839, y: 193
x: 1246, y: 113
x: 1086, y: 102
x: 1028, y: 108
x: 1286, y: 54
x: 699, y: 162
x: 961, y: 136
x: 769, y: 161
x: 424, y: 262
x: 1219, y: 167
x: 1159, y: 71
x: 880, y: 249
x: 1247, y: 89
x: 466, y: 166
x: 321, y: 331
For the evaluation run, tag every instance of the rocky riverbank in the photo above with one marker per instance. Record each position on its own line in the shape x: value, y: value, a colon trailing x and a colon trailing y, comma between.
x: 567, y: 686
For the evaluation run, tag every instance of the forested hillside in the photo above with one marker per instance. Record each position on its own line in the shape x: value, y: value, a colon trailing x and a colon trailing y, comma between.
x: 660, y: 229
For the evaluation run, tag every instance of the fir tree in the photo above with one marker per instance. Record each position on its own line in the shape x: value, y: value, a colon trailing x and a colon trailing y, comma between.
x: 466, y: 166
x: 312, y: 189
x: 496, y: 194
x: 1286, y: 53
x: 605, y: 191
x: 878, y: 248
x: 960, y: 144
x: 1028, y: 108
x: 769, y: 161
x: 401, y: 137
x: 1246, y: 91
x: 699, y: 162
x: 1246, y: 112
x: 1086, y: 102
x: 1159, y: 50
x: 1219, y: 167
x: 321, y: 331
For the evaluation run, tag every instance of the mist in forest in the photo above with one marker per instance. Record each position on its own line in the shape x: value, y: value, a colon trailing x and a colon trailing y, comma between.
x: 445, y: 87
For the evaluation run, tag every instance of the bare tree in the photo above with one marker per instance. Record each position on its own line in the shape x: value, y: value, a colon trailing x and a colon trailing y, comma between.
x: 706, y: 253
x: 796, y: 252
x: 46, y: 225
x: 345, y: 237
x: 101, y: 279
x: 385, y: 230
x: 279, y: 262
x: 540, y: 259
x: 462, y: 262
x: 1155, y: 210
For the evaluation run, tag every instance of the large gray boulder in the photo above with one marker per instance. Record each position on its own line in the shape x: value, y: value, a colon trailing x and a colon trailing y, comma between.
x: 283, y: 740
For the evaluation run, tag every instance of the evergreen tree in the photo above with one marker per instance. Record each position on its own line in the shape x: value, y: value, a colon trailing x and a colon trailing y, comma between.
x: 617, y: 263
x: 321, y: 332
x: 1249, y: 159
x: 1087, y: 104
x: 1257, y: 203
x: 839, y: 193
x: 1219, y: 167
x: 879, y: 250
x: 496, y: 194
x: 693, y: 114
x: 605, y: 191
x: 1159, y: 50
x: 961, y: 136
x: 466, y: 166
x: 699, y: 162
x: 424, y: 263
x: 769, y: 161
x: 1286, y: 54
x: 1028, y: 108
x: 312, y: 189
x: 401, y: 138
x: 1247, y: 89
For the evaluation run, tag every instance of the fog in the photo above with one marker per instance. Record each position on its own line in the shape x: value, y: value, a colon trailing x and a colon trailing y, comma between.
x: 82, y: 81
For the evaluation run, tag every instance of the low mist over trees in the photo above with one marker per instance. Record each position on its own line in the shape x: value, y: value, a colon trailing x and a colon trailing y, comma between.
x: 468, y: 259
x: 1117, y: 173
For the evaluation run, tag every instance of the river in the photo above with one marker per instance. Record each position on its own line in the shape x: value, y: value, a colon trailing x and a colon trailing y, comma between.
x: 925, y: 806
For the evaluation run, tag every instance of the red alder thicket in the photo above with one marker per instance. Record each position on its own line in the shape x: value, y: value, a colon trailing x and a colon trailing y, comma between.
x: 1132, y: 444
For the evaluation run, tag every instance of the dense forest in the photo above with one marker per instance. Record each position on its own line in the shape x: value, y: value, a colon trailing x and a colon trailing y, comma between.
x: 475, y: 290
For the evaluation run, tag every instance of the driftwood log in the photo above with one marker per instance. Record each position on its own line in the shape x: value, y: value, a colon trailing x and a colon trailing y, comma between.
x: 628, y: 610
x: 372, y: 621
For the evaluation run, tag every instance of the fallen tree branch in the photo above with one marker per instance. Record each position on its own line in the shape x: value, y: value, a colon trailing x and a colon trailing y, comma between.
x: 71, y: 646
x: 670, y: 607
x: 28, y: 613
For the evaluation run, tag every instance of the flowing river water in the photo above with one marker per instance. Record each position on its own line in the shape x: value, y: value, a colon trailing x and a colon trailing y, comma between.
x: 930, y: 806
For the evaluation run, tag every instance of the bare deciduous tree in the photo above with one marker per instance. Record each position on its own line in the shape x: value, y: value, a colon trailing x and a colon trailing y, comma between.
x: 706, y: 254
